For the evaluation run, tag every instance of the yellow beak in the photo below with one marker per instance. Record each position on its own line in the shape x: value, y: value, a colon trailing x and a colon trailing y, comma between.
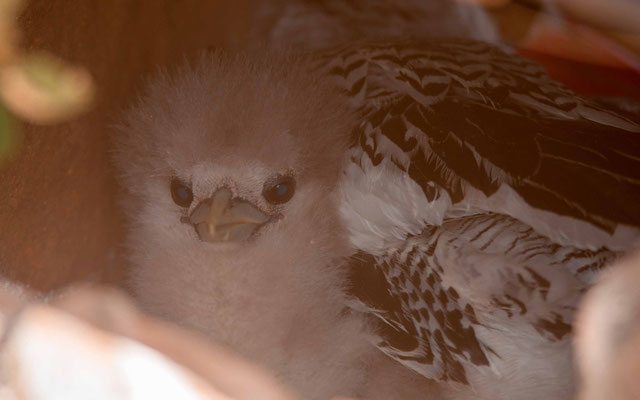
x: 224, y: 219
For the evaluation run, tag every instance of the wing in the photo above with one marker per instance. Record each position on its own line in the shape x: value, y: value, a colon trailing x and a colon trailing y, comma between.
x: 460, y: 297
x: 482, y: 197
x: 488, y: 131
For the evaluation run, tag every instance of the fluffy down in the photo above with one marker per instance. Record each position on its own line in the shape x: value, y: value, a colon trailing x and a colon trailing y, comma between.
x: 278, y: 297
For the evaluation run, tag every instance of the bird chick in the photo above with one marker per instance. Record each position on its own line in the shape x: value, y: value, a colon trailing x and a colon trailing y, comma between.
x: 233, y: 226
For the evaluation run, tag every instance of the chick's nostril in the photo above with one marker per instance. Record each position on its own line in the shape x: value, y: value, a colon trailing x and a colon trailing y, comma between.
x: 219, y: 203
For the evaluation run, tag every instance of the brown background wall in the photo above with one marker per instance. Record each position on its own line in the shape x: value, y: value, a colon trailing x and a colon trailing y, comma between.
x: 58, y: 220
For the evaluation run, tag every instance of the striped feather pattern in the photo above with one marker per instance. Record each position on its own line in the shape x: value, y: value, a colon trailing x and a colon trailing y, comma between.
x: 430, y: 293
x: 462, y: 112
x: 468, y: 123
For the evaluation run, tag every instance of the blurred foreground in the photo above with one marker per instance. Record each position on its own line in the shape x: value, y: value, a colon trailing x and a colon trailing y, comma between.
x: 92, y: 343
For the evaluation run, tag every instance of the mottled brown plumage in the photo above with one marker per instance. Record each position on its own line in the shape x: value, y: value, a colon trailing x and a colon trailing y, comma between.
x: 481, y: 199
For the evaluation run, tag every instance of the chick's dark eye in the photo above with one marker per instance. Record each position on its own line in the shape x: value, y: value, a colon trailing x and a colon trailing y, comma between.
x: 181, y: 193
x: 279, y: 190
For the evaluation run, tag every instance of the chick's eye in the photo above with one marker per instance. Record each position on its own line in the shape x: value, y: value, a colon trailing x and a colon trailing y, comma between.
x: 181, y: 193
x: 280, y: 190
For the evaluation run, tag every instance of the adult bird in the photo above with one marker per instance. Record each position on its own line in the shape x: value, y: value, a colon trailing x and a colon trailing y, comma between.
x: 481, y: 197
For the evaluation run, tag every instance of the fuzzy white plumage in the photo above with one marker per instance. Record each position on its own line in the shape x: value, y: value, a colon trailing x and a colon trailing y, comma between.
x: 274, y: 293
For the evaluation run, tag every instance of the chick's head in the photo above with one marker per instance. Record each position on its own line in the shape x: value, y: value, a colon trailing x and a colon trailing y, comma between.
x: 229, y: 168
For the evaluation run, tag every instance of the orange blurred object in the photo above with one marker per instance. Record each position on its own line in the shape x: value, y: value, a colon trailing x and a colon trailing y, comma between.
x: 589, y: 79
x: 575, y: 45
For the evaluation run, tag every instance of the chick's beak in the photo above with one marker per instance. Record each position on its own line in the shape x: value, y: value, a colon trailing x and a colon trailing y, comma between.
x: 224, y: 219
